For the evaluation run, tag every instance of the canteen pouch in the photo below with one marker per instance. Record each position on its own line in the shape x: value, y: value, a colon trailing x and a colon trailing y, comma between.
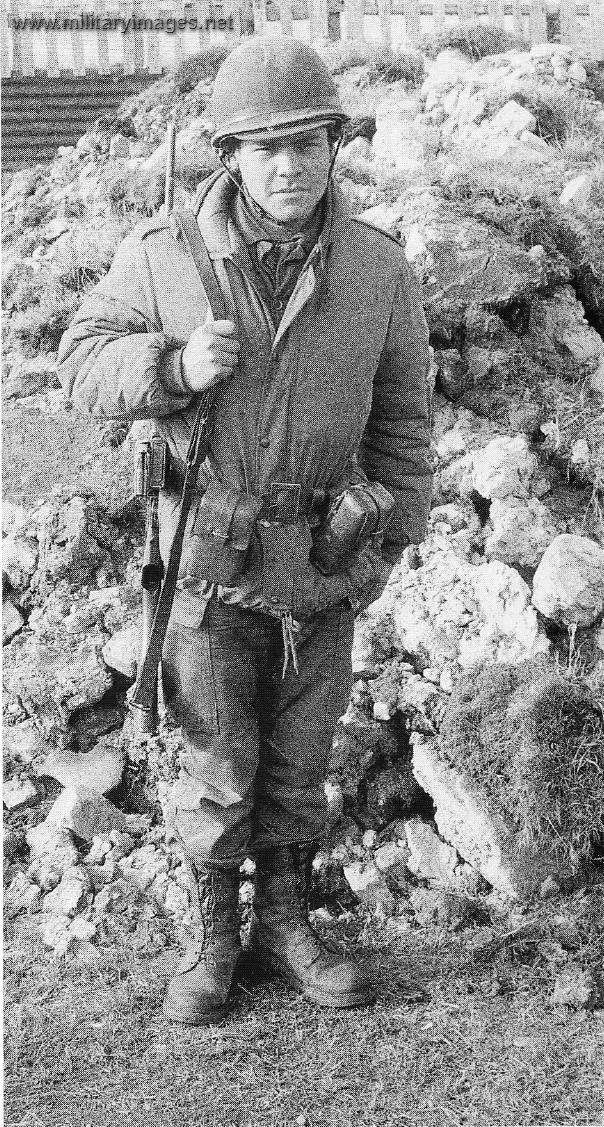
x: 218, y: 537
x: 356, y: 516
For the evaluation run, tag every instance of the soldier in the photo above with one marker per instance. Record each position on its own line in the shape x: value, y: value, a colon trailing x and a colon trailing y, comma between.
x: 317, y: 359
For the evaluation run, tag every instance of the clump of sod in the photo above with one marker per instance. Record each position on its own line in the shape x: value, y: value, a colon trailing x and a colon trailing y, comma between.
x: 200, y: 67
x: 532, y: 736
x: 476, y: 41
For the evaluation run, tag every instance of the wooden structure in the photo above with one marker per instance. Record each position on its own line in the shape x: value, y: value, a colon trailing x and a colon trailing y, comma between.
x: 129, y: 37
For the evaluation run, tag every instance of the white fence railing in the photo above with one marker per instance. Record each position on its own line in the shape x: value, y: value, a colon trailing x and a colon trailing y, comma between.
x: 105, y: 36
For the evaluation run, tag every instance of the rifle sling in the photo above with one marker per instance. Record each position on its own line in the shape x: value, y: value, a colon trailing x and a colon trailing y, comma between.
x: 143, y: 693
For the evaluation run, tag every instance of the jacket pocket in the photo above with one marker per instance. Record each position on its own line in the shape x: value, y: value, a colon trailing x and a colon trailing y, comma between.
x: 218, y: 536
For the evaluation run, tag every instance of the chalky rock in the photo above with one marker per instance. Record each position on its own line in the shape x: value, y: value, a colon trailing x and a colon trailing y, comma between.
x: 358, y: 151
x: 388, y: 217
x: 119, y: 147
x: 52, y: 852
x: 520, y: 531
x: 429, y: 857
x: 398, y: 138
x: 22, y: 895
x: 86, y: 813
x: 12, y: 621
x: 577, y: 192
x: 70, y: 895
x: 19, y: 559
x: 50, y: 677
x: 70, y: 541
x: 577, y: 73
x: 483, y: 838
x: 192, y: 150
x: 100, y: 769
x: 560, y: 326
x: 121, y: 652
x: 504, y: 600
x: 504, y: 468
x: 452, y: 611
x: 391, y: 859
x: 62, y: 934
x: 512, y: 119
x: 368, y: 883
x: 449, y: 67
x: 568, y: 585
x: 17, y: 793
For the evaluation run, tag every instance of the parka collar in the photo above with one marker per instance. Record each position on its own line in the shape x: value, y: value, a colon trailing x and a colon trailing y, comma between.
x: 213, y: 207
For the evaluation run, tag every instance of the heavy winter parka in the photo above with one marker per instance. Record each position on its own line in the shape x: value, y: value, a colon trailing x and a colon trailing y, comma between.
x: 338, y: 390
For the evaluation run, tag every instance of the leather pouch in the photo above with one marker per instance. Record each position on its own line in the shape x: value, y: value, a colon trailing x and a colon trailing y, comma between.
x: 218, y: 536
x: 357, y: 516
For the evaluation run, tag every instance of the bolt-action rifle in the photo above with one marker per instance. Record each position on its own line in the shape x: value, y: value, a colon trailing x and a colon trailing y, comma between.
x: 152, y: 467
x: 150, y: 477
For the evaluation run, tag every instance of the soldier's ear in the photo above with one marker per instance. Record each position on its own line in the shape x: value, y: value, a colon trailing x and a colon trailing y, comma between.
x: 229, y: 157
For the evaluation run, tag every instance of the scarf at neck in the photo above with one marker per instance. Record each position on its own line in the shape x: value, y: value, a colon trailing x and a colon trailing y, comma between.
x: 256, y: 225
x: 278, y: 250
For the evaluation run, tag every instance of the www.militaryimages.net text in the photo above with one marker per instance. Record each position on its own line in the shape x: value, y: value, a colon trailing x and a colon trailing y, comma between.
x: 91, y: 21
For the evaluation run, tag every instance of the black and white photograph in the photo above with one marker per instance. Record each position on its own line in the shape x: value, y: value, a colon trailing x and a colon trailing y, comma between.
x: 303, y: 563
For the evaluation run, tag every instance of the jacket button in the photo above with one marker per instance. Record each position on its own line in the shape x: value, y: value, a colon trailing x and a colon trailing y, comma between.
x: 265, y: 443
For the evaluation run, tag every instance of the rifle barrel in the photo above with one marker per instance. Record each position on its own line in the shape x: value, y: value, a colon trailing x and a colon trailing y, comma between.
x: 170, y: 160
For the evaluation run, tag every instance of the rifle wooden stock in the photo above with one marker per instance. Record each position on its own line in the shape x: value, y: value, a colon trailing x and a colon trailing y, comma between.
x: 151, y: 578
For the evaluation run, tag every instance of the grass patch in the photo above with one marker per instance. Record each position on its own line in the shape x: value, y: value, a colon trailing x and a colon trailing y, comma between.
x: 577, y: 414
x: 81, y: 263
x: 523, y: 204
x: 386, y: 65
x: 343, y: 56
x: 476, y: 41
x: 88, y: 1045
x: 141, y: 194
x: 533, y: 737
x: 201, y: 67
x: 595, y: 78
x: 40, y: 327
x: 383, y: 64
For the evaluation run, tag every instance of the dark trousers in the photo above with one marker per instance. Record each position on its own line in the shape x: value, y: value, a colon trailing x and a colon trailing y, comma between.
x: 257, y: 747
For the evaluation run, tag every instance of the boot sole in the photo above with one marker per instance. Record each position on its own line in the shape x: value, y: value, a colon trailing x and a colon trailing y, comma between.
x: 173, y: 1012
x: 348, y: 1001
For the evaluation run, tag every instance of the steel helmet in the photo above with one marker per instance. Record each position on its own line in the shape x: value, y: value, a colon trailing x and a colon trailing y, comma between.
x: 272, y: 86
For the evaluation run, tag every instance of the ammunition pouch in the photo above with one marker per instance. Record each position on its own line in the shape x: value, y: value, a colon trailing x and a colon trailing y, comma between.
x: 357, y: 516
x: 217, y: 540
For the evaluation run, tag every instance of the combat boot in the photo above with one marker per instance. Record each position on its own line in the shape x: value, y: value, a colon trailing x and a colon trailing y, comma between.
x: 284, y: 940
x: 200, y: 992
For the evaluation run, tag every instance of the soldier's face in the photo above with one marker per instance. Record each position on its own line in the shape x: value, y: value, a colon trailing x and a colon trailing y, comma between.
x: 287, y: 176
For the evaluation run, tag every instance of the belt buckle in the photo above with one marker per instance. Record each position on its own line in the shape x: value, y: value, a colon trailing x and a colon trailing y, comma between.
x: 284, y: 502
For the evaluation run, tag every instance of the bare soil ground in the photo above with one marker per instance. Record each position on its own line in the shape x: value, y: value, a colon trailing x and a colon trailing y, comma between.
x: 465, y: 1032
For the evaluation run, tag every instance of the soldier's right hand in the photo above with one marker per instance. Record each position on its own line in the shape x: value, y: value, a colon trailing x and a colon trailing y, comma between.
x: 210, y: 355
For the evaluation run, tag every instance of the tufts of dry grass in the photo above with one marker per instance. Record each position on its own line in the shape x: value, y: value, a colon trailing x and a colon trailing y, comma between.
x: 39, y: 328
x: 133, y: 195
x: 476, y: 41
x: 464, y: 1032
x: 200, y: 67
x: 532, y: 736
x: 387, y: 65
x: 577, y: 415
x: 82, y: 261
